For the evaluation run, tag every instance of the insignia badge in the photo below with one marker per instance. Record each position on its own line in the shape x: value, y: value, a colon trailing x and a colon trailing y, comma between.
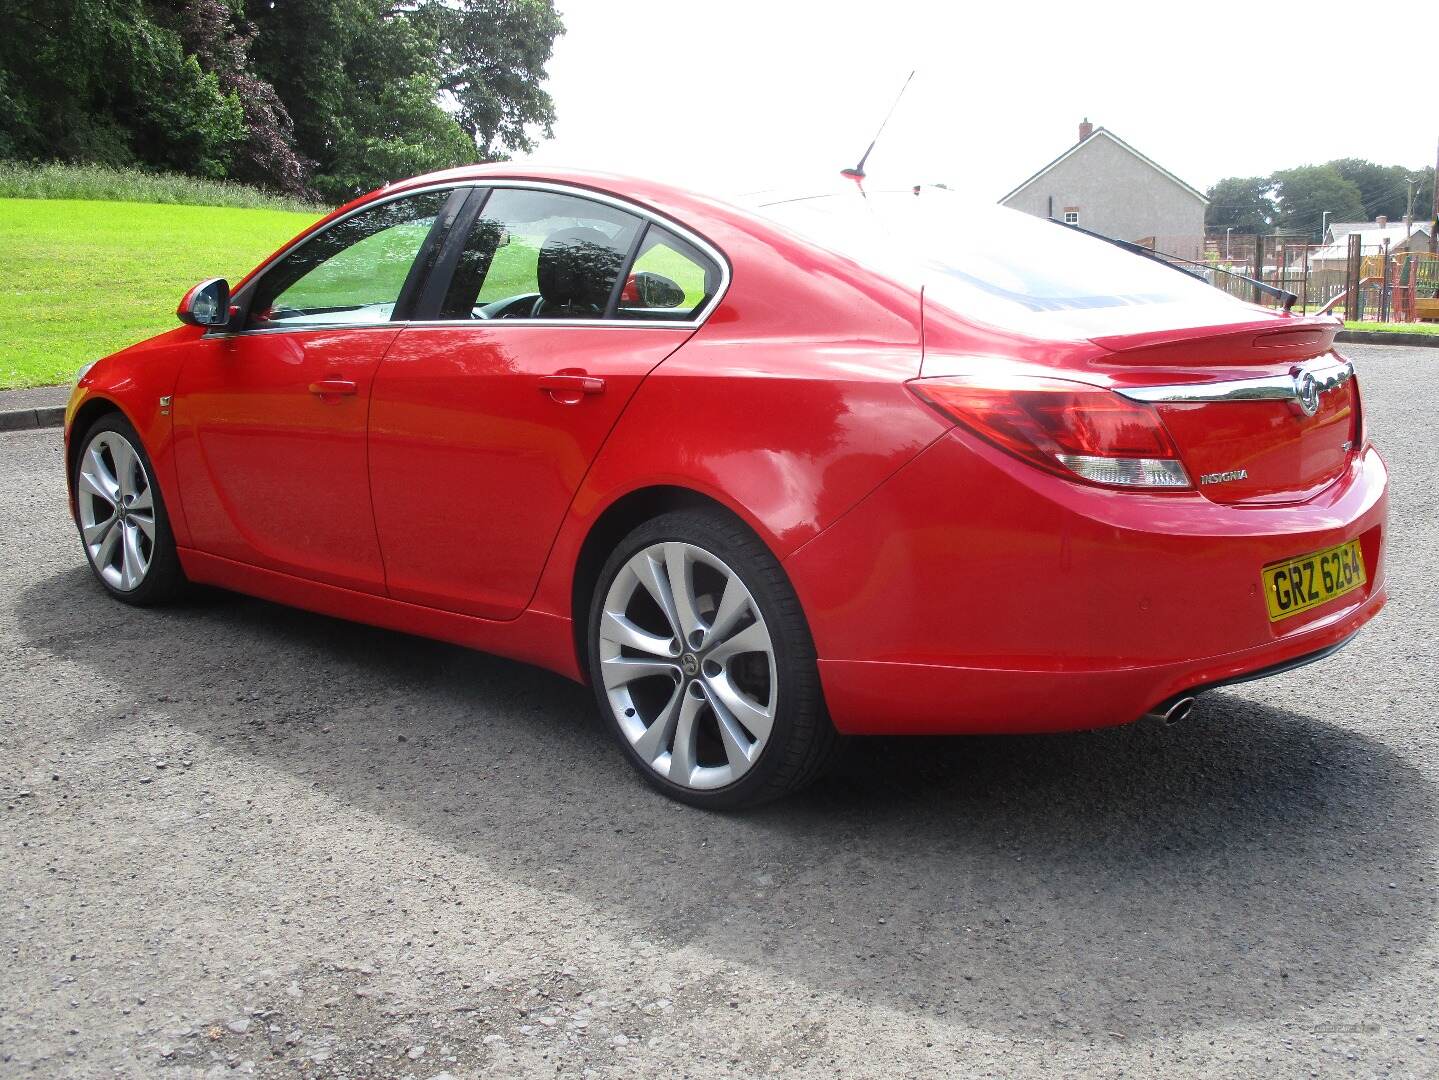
x: 1224, y: 477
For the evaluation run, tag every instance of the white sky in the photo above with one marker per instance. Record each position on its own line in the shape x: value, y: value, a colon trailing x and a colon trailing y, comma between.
x: 728, y: 96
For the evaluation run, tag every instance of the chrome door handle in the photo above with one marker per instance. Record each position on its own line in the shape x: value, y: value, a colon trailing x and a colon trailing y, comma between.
x: 333, y: 386
x: 572, y: 384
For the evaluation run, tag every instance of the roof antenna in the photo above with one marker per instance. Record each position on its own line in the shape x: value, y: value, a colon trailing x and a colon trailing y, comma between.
x: 857, y: 173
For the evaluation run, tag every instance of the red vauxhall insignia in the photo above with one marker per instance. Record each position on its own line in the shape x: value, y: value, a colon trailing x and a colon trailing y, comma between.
x: 847, y: 464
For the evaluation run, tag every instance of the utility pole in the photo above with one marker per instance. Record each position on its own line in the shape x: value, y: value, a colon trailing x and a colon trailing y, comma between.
x: 1409, y: 206
x: 1434, y: 217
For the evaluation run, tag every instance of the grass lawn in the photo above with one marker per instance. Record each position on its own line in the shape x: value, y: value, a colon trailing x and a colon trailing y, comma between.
x: 81, y: 279
x: 1395, y: 328
x: 56, y: 181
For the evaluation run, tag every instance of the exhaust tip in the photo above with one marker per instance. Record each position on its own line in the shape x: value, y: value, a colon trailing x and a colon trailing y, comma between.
x: 1180, y: 710
x: 1174, y: 710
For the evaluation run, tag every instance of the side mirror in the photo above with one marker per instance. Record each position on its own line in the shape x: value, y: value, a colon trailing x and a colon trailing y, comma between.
x: 649, y: 290
x: 207, y: 304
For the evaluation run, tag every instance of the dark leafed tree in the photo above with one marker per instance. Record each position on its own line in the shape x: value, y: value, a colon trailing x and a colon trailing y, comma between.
x: 301, y: 49
x: 220, y: 40
x: 492, y: 59
x: 1241, y: 203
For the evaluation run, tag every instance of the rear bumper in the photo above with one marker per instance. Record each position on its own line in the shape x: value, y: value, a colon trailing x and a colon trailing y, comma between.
x: 878, y: 698
x: 971, y: 594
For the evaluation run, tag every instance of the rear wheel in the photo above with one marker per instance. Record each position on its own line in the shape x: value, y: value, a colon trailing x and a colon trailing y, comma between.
x: 122, y: 519
x: 701, y: 660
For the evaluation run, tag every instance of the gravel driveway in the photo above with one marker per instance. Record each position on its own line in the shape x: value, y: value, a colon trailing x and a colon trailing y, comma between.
x: 240, y: 839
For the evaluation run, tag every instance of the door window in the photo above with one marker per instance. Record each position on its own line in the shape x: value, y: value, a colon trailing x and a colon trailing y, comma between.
x: 670, y: 279
x: 540, y: 255
x: 353, y: 272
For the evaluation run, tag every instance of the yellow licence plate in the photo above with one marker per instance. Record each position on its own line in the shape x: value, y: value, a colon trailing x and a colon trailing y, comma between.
x: 1297, y: 585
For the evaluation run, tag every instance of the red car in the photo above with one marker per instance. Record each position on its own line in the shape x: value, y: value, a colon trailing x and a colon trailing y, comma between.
x: 853, y: 463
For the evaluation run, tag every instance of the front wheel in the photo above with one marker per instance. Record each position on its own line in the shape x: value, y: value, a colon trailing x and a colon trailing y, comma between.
x: 122, y: 519
x: 701, y: 659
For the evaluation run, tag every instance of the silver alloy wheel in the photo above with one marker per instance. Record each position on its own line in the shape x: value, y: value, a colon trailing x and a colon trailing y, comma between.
x: 688, y: 665
x: 117, y: 510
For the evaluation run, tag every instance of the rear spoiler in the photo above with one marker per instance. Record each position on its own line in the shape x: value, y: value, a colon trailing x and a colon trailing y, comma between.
x: 1286, y: 298
x: 1265, y: 342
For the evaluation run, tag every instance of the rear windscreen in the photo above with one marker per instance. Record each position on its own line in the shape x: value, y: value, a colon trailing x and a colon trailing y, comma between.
x: 1005, y: 268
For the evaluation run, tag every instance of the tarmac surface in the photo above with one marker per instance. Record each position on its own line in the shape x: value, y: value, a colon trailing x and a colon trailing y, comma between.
x: 245, y: 840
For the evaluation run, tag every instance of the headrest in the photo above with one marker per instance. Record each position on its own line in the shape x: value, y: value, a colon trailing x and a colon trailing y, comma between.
x: 577, y: 266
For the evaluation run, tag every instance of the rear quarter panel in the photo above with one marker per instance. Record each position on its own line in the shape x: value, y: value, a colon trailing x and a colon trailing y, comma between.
x: 787, y: 406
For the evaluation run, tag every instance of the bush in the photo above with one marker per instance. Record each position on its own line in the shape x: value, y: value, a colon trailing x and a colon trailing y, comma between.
x: 103, y: 182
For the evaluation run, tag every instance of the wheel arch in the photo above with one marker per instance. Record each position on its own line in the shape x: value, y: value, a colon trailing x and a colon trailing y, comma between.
x: 90, y: 410
x: 153, y: 434
x: 613, y: 524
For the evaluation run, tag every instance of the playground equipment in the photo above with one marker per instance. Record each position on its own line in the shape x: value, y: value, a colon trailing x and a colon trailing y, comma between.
x: 1402, y: 287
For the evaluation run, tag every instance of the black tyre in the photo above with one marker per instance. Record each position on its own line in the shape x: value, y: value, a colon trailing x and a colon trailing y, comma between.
x: 703, y: 664
x: 121, y: 514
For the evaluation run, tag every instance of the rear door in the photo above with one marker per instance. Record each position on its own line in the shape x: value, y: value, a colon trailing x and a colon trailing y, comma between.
x: 531, y: 337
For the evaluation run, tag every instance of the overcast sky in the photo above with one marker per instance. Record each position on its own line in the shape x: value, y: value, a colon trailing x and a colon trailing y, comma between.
x: 729, y: 96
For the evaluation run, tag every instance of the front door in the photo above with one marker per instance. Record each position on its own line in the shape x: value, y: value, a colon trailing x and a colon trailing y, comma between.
x: 488, y: 410
x: 270, y: 420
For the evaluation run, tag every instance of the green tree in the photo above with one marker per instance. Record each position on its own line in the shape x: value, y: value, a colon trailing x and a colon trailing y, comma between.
x: 101, y: 80
x: 365, y: 81
x: 1241, y: 203
x: 1306, y: 192
x: 1384, y: 189
x: 393, y: 126
x: 492, y: 57
x: 336, y: 96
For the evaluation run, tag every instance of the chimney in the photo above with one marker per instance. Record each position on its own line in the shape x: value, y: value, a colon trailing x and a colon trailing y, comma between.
x: 1086, y: 129
x: 1381, y: 221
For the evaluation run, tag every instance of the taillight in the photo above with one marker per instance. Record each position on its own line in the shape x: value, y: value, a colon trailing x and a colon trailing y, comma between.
x: 1068, y: 428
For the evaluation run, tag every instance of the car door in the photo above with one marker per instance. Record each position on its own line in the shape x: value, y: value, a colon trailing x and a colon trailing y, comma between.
x: 270, y: 418
x: 489, y: 408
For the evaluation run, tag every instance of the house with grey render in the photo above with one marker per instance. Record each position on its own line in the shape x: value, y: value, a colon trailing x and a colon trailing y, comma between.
x: 1103, y: 184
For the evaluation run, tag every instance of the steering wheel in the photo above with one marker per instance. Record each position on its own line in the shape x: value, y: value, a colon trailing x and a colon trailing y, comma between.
x: 539, y: 306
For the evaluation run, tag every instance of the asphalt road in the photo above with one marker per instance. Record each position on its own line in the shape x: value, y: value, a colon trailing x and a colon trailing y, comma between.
x: 240, y: 838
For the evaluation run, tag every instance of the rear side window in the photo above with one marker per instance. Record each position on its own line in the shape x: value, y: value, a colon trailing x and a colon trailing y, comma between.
x: 670, y: 279
x: 353, y: 272
x: 540, y: 255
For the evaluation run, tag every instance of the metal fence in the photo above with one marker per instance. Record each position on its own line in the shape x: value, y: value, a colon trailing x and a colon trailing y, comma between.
x: 1387, y: 286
